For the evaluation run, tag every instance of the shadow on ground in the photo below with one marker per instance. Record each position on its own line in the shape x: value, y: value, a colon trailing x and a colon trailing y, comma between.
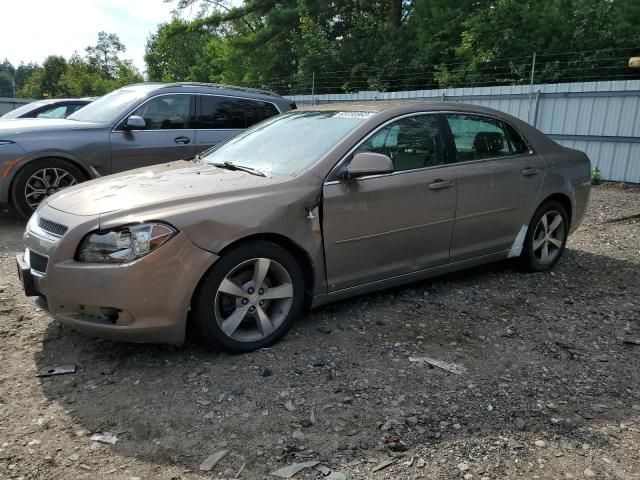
x: 544, y: 353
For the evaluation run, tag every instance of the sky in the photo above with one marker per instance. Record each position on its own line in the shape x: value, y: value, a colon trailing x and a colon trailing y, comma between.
x: 44, y: 27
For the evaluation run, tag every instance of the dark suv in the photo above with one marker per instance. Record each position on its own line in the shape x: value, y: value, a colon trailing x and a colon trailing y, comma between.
x: 135, y: 126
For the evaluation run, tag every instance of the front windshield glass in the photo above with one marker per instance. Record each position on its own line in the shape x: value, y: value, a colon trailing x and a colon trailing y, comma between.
x: 289, y: 143
x: 112, y: 106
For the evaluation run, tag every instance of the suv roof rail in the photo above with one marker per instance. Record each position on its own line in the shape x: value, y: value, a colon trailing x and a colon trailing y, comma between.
x: 220, y: 85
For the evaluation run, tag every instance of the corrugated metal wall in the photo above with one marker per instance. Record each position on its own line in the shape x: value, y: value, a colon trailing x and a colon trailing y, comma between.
x: 599, y: 118
x: 8, y: 104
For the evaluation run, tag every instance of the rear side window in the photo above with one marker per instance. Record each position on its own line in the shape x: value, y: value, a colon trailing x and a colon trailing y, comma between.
x: 479, y: 137
x: 259, y: 111
x: 518, y: 144
x: 218, y: 112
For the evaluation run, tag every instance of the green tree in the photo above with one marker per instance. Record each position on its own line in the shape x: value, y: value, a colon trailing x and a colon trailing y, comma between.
x: 53, y: 69
x: 104, y: 56
x: 7, y: 73
x: 23, y: 72
x: 174, y: 53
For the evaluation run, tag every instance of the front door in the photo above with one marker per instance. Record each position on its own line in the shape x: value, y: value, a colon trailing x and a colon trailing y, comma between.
x: 168, y: 134
x: 499, y: 181
x: 383, y: 226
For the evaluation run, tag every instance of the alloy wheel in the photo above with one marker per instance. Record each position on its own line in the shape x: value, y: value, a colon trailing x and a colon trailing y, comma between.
x: 253, y: 300
x: 549, y: 237
x: 44, y: 183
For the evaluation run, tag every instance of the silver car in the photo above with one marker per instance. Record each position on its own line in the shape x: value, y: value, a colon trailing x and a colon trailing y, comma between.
x: 305, y: 208
x: 135, y: 126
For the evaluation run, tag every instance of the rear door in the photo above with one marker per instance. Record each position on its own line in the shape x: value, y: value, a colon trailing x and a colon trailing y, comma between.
x: 169, y: 134
x: 499, y: 182
x: 381, y: 226
x: 221, y: 117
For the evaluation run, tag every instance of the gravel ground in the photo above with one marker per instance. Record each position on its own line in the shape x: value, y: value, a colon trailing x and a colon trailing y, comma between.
x: 548, y: 384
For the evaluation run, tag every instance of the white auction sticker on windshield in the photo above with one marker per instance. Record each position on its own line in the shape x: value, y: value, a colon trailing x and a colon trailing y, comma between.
x: 353, y: 114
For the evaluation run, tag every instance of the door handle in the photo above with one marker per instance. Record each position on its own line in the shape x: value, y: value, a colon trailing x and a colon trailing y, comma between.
x: 183, y: 140
x: 528, y: 172
x: 439, y: 184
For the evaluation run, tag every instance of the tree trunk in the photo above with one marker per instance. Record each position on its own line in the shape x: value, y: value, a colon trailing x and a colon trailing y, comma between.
x: 395, y: 13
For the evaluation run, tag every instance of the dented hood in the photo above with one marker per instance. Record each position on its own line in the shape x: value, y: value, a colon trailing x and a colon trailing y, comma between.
x: 153, y: 186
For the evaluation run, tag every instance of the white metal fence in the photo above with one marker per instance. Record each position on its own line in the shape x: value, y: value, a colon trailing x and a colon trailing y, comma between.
x: 8, y: 104
x: 599, y: 118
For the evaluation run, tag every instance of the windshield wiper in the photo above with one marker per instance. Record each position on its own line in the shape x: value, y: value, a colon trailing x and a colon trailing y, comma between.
x: 232, y: 166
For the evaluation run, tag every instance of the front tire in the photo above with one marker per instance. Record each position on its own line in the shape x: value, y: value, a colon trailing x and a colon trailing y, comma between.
x: 546, y: 237
x: 249, y: 299
x: 41, y: 179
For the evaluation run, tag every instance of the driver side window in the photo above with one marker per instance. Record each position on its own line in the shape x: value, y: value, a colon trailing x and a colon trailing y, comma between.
x: 411, y: 143
x: 166, y: 112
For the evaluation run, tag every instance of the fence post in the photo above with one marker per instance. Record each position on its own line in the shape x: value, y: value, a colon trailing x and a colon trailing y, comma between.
x: 535, y: 110
x: 533, y: 72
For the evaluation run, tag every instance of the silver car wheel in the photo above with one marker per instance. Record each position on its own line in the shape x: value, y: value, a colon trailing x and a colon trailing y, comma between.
x: 548, y: 238
x: 253, y: 300
x: 44, y: 183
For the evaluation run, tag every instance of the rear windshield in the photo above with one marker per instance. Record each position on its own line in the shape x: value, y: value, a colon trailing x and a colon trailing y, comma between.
x: 23, y: 109
x: 289, y: 143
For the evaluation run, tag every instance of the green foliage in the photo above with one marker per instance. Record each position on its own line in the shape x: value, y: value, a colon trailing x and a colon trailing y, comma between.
x: 99, y: 72
x: 173, y: 53
x: 350, y: 45
x: 596, y: 176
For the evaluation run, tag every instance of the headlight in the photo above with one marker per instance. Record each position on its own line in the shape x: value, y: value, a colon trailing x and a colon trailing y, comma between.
x: 124, y: 244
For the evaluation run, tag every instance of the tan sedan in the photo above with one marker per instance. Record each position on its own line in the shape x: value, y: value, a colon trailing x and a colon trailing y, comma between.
x: 300, y: 210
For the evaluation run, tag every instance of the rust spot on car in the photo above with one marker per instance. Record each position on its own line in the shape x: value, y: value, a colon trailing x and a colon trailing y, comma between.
x: 12, y: 164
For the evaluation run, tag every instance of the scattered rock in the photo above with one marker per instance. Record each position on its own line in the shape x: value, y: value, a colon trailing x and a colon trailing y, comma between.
x: 384, y: 464
x: 291, y: 470
x: 589, y: 473
x: 337, y: 476
x: 513, y: 443
x: 540, y: 443
x: 448, y: 366
x: 463, y: 467
x: 105, y: 437
x: 323, y: 329
x: 212, y: 460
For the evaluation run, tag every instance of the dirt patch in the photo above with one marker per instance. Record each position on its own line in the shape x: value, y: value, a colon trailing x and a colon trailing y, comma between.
x: 549, y: 384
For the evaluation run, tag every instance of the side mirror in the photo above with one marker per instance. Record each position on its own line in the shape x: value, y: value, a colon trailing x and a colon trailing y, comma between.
x: 369, y: 163
x: 134, y: 122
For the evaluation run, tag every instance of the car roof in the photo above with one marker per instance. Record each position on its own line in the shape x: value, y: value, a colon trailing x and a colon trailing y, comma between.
x: 216, y: 88
x: 48, y: 101
x: 408, y: 105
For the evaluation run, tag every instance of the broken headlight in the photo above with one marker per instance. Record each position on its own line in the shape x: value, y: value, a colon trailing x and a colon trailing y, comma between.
x: 124, y: 244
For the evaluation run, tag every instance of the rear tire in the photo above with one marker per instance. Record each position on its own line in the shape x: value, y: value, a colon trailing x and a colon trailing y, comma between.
x: 249, y: 299
x: 546, y: 237
x: 41, y: 179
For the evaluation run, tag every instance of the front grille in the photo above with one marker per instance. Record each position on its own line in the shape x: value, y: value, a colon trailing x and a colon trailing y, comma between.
x: 38, y: 262
x: 52, y: 227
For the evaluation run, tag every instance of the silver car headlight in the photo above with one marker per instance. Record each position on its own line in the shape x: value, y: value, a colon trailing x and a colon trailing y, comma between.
x: 124, y: 244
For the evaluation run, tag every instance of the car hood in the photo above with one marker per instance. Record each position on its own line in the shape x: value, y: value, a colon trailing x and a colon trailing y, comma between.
x: 157, y: 186
x: 15, y: 126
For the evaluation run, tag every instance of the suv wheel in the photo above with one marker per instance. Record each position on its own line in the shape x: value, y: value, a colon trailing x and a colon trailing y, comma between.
x: 41, y: 179
x: 249, y: 299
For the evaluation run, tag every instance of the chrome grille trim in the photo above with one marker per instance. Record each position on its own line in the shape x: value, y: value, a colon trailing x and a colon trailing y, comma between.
x: 51, y: 227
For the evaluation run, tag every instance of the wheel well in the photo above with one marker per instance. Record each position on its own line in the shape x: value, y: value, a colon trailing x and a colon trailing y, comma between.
x: 564, y: 201
x: 76, y: 164
x: 301, y: 256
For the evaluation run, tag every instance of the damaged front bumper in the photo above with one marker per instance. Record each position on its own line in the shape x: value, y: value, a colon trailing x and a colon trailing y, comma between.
x: 146, y: 300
